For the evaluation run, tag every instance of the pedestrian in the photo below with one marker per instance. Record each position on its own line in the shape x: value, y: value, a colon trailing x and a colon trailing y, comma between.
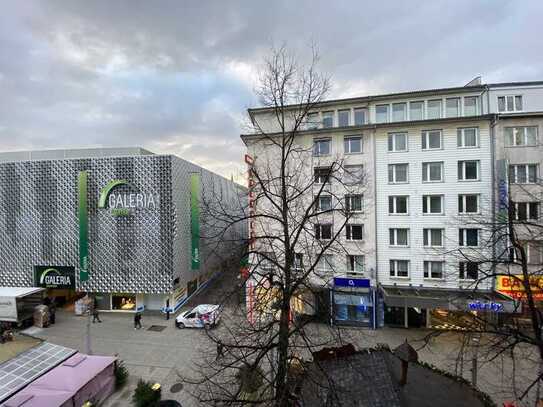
x: 95, y: 315
x: 137, y: 321
x: 167, y: 309
x: 52, y: 312
x: 220, y: 350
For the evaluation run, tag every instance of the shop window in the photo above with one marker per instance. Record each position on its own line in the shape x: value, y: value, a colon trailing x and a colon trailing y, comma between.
x: 124, y: 302
x: 355, y: 308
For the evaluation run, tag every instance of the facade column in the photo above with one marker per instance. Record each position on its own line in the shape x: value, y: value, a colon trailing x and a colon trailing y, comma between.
x: 405, y: 317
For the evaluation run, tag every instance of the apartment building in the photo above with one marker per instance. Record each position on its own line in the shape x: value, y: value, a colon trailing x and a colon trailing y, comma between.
x: 430, y: 162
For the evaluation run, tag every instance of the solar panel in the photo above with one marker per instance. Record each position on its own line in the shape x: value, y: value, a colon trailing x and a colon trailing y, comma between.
x: 20, y: 371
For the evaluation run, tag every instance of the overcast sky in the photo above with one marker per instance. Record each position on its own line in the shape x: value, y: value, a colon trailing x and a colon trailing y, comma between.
x: 177, y: 76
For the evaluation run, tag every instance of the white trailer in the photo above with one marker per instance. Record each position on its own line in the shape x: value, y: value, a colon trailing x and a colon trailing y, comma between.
x: 17, y: 303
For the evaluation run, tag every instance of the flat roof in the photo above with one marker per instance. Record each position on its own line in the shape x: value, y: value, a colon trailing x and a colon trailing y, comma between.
x: 62, y: 154
x: 19, y: 291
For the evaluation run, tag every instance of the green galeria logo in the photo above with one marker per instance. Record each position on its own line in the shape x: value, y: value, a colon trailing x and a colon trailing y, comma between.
x: 122, y: 204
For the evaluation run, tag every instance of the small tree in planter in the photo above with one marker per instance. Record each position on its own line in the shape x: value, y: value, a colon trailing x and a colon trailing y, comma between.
x: 121, y: 374
x: 145, y: 395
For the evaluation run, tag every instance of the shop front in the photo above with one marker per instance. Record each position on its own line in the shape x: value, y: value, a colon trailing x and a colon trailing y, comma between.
x: 59, y: 282
x: 513, y: 286
x: 353, y: 302
x: 443, y: 309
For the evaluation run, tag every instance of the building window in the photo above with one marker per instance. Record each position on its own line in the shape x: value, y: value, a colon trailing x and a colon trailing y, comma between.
x: 510, y: 103
x: 433, y: 237
x: 327, y: 119
x: 432, y: 204
x: 353, y: 203
x: 399, y: 112
x: 344, y: 118
x: 416, y: 110
x: 381, y: 113
x: 467, y: 138
x: 468, y: 237
x: 322, y: 175
x: 452, y: 107
x: 431, y: 140
x: 398, y: 205
x: 353, y: 174
x: 432, y: 172
x: 298, y: 263
x: 398, y: 173
x: 354, y: 232
x: 468, y: 203
x: 526, y: 210
x: 324, y: 203
x: 399, y: 268
x: 321, y: 147
x: 523, y: 174
x: 468, y: 170
x: 397, y: 142
x: 313, y: 121
x: 355, y: 264
x: 468, y: 270
x: 520, y: 136
x: 323, y: 232
x: 470, y: 106
x: 433, y: 269
x: 434, y: 109
x: 360, y: 116
x: 325, y: 264
x: 352, y: 144
x: 399, y: 237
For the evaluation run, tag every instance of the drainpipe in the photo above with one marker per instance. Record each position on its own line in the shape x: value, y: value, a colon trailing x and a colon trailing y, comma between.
x: 493, y: 124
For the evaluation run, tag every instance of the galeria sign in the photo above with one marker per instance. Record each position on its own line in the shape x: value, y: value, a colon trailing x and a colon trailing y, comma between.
x: 54, y: 277
x: 122, y: 202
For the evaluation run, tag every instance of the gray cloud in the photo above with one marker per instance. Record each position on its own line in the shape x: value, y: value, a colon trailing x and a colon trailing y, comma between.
x: 177, y: 76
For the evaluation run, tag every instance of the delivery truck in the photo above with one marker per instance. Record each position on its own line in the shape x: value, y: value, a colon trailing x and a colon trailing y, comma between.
x: 17, y: 304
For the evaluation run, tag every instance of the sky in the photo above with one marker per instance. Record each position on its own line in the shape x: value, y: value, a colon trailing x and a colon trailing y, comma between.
x: 176, y: 77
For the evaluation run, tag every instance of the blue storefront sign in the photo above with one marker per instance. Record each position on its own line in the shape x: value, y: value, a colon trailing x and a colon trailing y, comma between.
x: 352, y: 282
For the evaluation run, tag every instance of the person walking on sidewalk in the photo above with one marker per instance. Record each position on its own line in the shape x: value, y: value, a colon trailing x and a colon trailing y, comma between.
x: 95, y: 315
x: 137, y: 321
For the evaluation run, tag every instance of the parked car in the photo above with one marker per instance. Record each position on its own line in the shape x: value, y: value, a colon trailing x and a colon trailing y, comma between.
x: 202, y: 316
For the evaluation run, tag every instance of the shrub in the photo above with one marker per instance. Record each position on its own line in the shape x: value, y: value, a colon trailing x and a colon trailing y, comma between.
x: 144, y: 395
x: 121, y: 374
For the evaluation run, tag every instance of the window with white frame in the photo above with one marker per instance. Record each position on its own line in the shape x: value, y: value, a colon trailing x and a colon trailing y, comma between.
x: 433, y: 237
x: 399, y: 268
x: 381, y: 113
x: 398, y: 205
x: 398, y: 173
x: 467, y: 137
x: 533, y: 250
x: 322, y: 175
x: 397, y: 142
x: 468, y: 270
x: 360, y: 116
x: 355, y: 264
x: 344, y: 117
x: 324, y: 203
x: 468, y: 203
x: 432, y: 140
x: 399, y: 112
x: 298, y: 263
x: 432, y: 204
x: 353, y: 203
x: 322, y: 146
x: 313, y: 121
x: 520, y: 136
x: 352, y: 144
x: 416, y: 110
x: 510, y: 103
x: 267, y: 264
x: 526, y: 210
x: 325, y: 264
x: 523, y: 173
x: 398, y: 237
x: 434, y: 269
x: 353, y: 174
x: 354, y: 232
x: 452, y: 107
x: 468, y: 237
x: 468, y: 170
x: 323, y: 232
x: 432, y: 172
x: 434, y: 109
x: 470, y: 106
x: 327, y: 119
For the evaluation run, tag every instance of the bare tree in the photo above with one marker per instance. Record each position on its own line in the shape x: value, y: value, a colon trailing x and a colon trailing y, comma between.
x: 297, y: 216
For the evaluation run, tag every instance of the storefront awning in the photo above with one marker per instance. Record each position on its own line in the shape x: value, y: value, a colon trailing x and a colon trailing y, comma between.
x: 457, y: 300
